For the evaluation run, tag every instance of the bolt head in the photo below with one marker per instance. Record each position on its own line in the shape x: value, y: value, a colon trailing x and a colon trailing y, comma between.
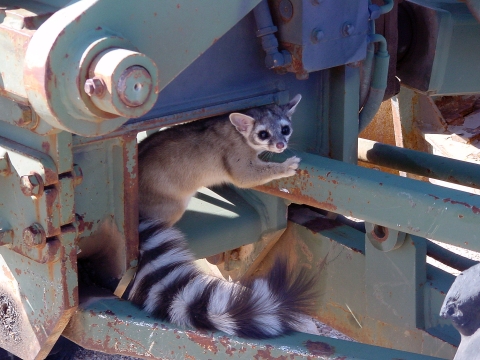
x: 317, y: 35
x: 88, y: 87
x: 94, y: 87
x: 348, y: 29
x: 31, y: 185
x: 286, y: 10
x: 34, y: 235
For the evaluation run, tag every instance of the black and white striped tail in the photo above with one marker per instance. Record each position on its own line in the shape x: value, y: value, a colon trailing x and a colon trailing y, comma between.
x: 169, y: 286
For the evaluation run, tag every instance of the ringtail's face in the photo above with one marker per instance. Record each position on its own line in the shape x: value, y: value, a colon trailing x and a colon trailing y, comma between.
x: 270, y: 134
x: 267, y: 128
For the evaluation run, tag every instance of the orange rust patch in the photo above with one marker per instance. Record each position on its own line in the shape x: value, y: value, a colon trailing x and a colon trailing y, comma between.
x: 204, y: 341
x: 267, y: 355
x: 319, y: 348
x: 7, y: 273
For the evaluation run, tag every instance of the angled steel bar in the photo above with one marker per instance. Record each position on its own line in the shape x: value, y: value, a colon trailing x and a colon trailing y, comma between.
x: 420, y: 163
x: 403, y: 204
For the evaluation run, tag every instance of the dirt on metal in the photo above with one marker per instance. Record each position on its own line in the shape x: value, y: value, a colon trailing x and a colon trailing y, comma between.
x: 10, y: 327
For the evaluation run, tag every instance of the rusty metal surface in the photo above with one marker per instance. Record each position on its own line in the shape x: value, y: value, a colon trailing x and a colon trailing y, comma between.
x: 51, y: 45
x: 335, y: 252
x: 37, y: 299
x: 110, y: 239
x: 16, y: 31
x: 117, y: 327
x: 433, y: 211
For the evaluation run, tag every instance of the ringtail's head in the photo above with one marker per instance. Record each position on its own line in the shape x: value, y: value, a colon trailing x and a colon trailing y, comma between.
x: 267, y: 128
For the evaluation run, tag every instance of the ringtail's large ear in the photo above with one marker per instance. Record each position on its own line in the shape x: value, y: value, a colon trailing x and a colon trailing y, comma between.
x: 242, y: 122
x: 293, y: 104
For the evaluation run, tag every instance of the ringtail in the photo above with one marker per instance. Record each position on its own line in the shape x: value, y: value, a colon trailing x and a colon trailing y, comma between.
x: 173, y: 165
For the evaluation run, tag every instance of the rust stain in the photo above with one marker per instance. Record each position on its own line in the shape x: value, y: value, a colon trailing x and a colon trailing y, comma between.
x: 319, y: 348
x: 267, y: 355
x: 8, y: 274
x: 205, y: 341
x: 51, y: 200
x: 296, y: 195
x: 225, y: 341
x: 130, y: 168
x: 455, y: 108
x: 297, y: 58
x: 475, y: 209
x: 88, y: 225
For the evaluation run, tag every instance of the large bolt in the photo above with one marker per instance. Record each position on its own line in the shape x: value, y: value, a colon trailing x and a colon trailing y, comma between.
x: 34, y: 235
x: 134, y: 86
x: 31, y: 185
x: 95, y: 86
x: 129, y: 80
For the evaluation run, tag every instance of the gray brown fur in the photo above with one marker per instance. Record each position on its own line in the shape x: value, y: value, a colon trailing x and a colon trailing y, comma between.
x: 176, y: 162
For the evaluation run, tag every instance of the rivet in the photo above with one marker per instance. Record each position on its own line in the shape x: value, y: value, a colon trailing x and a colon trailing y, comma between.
x: 348, y: 29
x: 317, y: 35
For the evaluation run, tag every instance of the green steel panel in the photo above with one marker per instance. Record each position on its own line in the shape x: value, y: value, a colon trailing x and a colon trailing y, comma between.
x: 364, y: 297
x: 230, y: 218
x: 51, y: 63
x: 395, y: 294
x: 344, y: 88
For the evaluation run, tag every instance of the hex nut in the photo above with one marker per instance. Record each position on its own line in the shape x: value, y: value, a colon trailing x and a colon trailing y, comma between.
x: 34, y: 235
x: 31, y: 185
x: 94, y: 87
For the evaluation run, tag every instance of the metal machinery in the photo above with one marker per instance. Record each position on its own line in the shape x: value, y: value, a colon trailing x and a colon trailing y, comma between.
x: 79, y: 80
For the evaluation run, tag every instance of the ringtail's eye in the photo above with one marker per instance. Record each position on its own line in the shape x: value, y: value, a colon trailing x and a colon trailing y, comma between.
x: 263, y: 135
x: 285, y: 130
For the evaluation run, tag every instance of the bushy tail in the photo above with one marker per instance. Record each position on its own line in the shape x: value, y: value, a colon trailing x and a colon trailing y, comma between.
x: 169, y: 286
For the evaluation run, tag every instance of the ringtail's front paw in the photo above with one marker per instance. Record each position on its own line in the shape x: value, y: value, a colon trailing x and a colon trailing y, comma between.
x: 291, y: 164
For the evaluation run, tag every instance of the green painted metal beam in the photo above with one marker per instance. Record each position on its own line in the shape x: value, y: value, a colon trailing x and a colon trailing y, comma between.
x: 117, y: 327
x: 419, y: 163
x: 343, y: 90
x: 399, y: 203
